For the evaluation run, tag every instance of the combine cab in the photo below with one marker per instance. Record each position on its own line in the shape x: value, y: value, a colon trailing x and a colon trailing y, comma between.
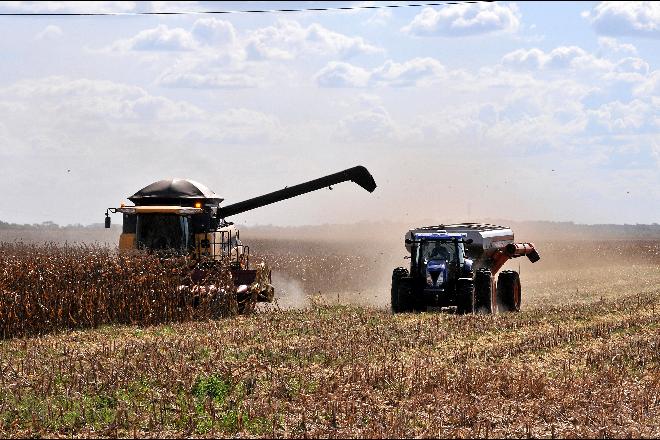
x: 453, y: 267
x: 185, y: 217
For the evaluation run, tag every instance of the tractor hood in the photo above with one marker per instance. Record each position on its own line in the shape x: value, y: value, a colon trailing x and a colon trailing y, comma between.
x: 436, y: 273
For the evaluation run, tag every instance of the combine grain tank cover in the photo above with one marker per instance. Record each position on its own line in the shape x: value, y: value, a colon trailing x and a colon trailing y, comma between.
x: 171, y: 190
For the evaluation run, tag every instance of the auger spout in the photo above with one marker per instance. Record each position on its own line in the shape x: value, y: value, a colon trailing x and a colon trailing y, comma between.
x: 359, y: 175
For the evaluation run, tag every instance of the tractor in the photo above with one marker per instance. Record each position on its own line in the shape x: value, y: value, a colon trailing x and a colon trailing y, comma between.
x: 453, y: 268
x: 184, y: 217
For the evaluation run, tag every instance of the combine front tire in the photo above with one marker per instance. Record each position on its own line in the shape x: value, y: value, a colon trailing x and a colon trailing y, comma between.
x: 401, y: 294
x: 508, y: 291
x: 483, y: 291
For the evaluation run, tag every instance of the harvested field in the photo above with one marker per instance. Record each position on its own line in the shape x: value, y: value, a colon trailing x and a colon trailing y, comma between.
x: 339, y: 371
x: 581, y: 359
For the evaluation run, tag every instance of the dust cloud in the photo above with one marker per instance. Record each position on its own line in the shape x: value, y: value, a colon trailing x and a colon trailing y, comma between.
x: 289, y: 292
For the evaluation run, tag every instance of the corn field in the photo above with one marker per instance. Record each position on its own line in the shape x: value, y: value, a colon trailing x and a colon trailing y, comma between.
x: 45, y: 288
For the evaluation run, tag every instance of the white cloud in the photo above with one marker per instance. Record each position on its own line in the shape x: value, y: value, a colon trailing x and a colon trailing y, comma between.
x: 631, y: 69
x: 655, y: 152
x: 416, y: 71
x: 85, y: 99
x: 214, y: 67
x: 340, y: 74
x: 174, y: 6
x: 212, y: 31
x: 207, y: 80
x: 532, y: 59
x: 212, y: 54
x: 284, y: 40
x: 288, y: 39
x: 610, y: 44
x: 634, y: 18
x: 626, y: 70
x: 408, y: 73
x: 373, y: 125
x: 622, y: 117
x: 75, y: 6
x: 61, y: 108
x: 50, y: 32
x: 650, y: 86
x: 205, y: 33
x: 243, y: 126
x: 563, y: 57
x: 115, y: 138
x: 160, y: 38
x: 465, y: 19
x: 380, y: 18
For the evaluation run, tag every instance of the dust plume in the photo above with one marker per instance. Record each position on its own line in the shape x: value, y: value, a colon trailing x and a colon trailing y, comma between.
x: 289, y: 292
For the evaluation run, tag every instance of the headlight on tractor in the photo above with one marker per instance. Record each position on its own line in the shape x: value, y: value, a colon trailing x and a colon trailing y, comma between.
x: 429, y: 279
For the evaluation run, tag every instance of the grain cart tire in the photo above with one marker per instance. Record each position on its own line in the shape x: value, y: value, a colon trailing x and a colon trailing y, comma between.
x: 483, y: 291
x: 397, y: 275
x: 509, y: 291
x: 465, y: 296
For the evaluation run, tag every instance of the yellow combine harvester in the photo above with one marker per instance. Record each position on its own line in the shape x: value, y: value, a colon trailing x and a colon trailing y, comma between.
x: 185, y: 217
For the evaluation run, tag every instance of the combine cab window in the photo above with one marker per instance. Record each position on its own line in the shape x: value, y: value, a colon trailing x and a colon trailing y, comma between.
x: 163, y: 232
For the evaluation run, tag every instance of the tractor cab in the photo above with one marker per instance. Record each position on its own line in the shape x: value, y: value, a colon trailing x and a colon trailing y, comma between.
x: 438, y: 258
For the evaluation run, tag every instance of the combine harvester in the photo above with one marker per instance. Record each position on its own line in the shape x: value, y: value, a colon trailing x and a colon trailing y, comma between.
x: 185, y: 217
x: 453, y: 267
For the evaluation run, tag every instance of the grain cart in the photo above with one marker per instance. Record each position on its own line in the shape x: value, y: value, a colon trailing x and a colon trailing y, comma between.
x: 182, y: 216
x: 453, y: 267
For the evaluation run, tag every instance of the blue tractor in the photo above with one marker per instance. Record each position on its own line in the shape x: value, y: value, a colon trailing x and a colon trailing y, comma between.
x: 452, y: 267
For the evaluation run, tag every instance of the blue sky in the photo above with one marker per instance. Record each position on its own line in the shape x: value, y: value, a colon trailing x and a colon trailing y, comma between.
x: 520, y: 110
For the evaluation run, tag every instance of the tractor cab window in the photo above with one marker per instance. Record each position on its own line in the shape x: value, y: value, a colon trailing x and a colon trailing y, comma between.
x: 163, y: 232
x: 437, y: 250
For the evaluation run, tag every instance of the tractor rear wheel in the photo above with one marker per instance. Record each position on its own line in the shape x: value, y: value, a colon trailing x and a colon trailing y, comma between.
x: 465, y: 295
x: 509, y: 291
x: 483, y: 291
x: 398, y: 305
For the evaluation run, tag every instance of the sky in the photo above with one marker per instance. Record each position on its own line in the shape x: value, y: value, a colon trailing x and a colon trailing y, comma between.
x: 515, y: 110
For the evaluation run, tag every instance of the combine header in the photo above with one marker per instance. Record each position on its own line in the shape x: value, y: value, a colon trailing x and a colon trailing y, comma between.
x: 453, y: 266
x: 185, y: 217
